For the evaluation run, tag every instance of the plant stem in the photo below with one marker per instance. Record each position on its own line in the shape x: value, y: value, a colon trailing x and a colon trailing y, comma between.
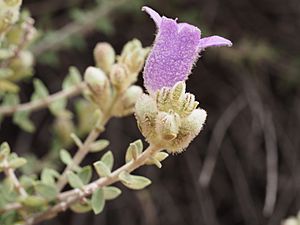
x: 85, y: 148
x: 10, y: 173
x: 42, y: 103
x: 58, y: 38
x: 70, y: 197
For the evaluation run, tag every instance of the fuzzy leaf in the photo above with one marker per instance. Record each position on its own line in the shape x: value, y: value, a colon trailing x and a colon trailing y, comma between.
x: 134, y: 150
x: 108, y: 159
x: 85, y: 174
x: 40, y: 90
x: 133, y: 181
x: 65, y: 157
x: 49, y: 192
x: 102, y: 169
x: 76, y: 139
x: 99, y: 145
x: 35, y: 202
x: 58, y: 106
x: 111, y: 193
x: 22, y: 120
x: 17, y: 162
x: 48, y: 176
x: 74, y: 180
x: 72, y: 79
x: 98, y: 201
x: 81, y: 208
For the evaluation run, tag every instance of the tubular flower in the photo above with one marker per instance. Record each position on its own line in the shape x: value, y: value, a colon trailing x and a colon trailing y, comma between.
x: 168, y: 116
x: 175, y: 50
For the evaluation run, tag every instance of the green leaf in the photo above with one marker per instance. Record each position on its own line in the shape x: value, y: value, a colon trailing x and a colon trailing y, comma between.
x: 72, y: 79
x: 81, y: 208
x: 134, y: 150
x: 99, y: 145
x: 102, y: 169
x: 4, y: 150
x: 157, y: 158
x: 98, y: 201
x: 111, y: 193
x: 47, y: 191
x: 74, y: 180
x: 133, y: 181
x: 58, y: 106
x: 21, y: 118
x: 161, y: 156
x: 40, y: 90
x: 48, y: 176
x: 65, y: 157
x: 34, y: 202
x: 76, y: 139
x: 85, y: 174
x: 108, y: 160
x: 17, y: 162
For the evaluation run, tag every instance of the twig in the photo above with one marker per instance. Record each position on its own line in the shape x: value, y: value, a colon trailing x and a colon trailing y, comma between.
x: 42, y: 103
x: 217, y: 138
x: 82, y: 27
x: 76, y: 194
x: 10, y: 173
x: 271, y: 161
x: 84, y: 149
x: 28, y: 30
x: 10, y: 207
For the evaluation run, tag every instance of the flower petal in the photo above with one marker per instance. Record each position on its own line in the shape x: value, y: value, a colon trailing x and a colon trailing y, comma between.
x: 153, y: 14
x: 174, y: 52
x: 214, y: 41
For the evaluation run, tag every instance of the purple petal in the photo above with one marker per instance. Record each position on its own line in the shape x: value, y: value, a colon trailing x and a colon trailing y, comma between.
x: 174, y: 52
x: 154, y: 15
x: 214, y: 41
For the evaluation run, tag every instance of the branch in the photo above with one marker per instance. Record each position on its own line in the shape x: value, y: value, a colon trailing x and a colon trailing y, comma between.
x: 82, y: 27
x: 70, y: 197
x: 42, y: 103
x: 10, y: 173
x: 84, y: 149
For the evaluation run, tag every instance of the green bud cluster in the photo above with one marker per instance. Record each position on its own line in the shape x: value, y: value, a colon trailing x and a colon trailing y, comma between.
x: 9, y: 14
x: 115, y: 75
x: 170, y: 118
x: 16, y: 61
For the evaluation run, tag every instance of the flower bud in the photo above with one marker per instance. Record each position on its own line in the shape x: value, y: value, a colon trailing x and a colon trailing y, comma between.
x: 126, y: 103
x: 96, y: 79
x: 133, y: 56
x: 119, y: 76
x: 167, y: 125
x: 99, y: 87
x: 169, y: 118
x: 104, y: 55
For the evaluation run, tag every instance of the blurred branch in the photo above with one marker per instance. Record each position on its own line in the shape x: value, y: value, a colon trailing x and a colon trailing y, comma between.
x: 85, y: 147
x: 28, y: 32
x: 82, y: 27
x: 42, y: 103
x: 75, y: 195
x: 10, y: 173
x: 219, y: 132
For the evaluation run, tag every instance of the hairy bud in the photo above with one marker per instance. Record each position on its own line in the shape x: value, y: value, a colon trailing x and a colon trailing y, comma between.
x: 170, y: 118
x: 126, y: 103
x: 99, y: 87
x: 119, y: 76
x: 104, y: 55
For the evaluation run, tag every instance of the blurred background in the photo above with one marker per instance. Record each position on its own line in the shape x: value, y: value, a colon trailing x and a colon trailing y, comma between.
x: 243, y: 169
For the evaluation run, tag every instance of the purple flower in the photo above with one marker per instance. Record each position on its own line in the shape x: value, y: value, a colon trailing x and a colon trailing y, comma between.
x: 175, y: 50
